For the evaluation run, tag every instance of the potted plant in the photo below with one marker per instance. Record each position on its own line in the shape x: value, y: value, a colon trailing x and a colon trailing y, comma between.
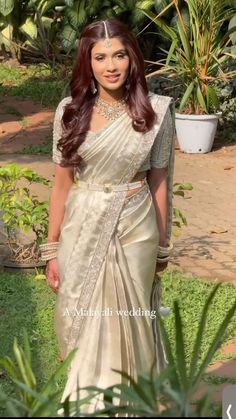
x: 197, y: 58
x: 22, y: 212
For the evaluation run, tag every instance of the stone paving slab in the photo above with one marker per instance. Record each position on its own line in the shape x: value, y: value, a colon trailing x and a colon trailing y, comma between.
x: 207, y: 246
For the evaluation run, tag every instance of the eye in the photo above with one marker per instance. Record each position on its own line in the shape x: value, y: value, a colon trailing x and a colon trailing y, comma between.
x: 120, y: 56
x: 99, y: 58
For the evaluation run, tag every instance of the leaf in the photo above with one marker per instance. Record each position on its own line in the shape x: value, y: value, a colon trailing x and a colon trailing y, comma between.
x: 29, y: 28
x: 68, y: 37
x: 180, y: 349
x: 184, y: 40
x: 40, y: 276
x: 228, y: 167
x: 161, y: 24
x: 73, y: 19
x: 201, y: 99
x: 45, y: 391
x: 169, y: 352
x: 212, y: 99
x: 183, y: 186
x: 232, y: 24
x: 171, y: 51
x: 200, y: 332
x: 186, y: 95
x: 176, y: 231
x: 179, y: 192
x: 218, y: 230
x: 6, y: 7
x: 215, y: 344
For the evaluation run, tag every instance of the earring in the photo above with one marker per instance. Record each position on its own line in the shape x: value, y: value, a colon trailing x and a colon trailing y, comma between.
x: 93, y: 87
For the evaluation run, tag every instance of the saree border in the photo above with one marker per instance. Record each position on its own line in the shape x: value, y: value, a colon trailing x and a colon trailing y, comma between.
x: 111, y: 219
x: 109, y: 225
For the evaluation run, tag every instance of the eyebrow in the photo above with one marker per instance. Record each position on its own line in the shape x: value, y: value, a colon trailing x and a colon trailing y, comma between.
x: 116, y: 52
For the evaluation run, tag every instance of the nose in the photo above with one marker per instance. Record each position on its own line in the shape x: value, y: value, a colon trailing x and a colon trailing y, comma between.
x: 111, y: 65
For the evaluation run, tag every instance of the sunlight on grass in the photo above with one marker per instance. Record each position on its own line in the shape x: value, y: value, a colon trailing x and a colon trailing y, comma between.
x: 191, y: 293
x: 39, y: 83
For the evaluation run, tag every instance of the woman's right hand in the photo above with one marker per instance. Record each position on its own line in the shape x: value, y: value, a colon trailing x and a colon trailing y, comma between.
x: 52, y: 274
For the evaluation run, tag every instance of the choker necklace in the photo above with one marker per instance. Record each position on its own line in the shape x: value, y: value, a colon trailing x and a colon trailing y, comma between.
x: 110, y: 111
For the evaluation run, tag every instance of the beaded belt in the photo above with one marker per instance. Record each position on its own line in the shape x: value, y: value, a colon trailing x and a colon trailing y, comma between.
x: 107, y: 187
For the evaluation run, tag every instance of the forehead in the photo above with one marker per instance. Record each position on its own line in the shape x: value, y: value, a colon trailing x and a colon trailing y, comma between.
x: 99, y: 47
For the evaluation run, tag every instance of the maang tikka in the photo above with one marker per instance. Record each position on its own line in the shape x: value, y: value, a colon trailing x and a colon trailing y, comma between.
x: 107, y: 42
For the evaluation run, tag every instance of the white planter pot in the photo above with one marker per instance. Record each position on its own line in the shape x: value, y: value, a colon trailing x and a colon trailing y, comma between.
x: 196, y: 133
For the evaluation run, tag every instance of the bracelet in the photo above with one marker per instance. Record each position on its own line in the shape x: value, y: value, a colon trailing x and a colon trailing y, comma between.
x: 48, y: 250
x: 163, y: 259
x: 164, y: 251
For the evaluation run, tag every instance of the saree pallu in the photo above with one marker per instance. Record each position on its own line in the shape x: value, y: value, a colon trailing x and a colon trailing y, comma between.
x: 107, y: 258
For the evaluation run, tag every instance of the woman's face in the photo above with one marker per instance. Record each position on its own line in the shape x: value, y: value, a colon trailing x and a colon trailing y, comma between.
x: 110, y: 65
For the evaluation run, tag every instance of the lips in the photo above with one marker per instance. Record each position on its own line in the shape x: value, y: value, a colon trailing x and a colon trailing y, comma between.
x: 113, y: 78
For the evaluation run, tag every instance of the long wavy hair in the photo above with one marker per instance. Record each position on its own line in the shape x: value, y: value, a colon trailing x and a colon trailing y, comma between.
x: 77, y: 114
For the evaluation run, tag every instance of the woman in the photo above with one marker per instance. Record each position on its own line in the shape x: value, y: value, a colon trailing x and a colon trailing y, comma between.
x: 110, y: 215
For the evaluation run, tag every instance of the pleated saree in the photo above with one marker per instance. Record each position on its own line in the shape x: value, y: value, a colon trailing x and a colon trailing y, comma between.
x: 108, y: 299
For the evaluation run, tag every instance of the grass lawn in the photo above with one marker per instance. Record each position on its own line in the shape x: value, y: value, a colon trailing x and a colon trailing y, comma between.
x: 28, y: 302
x: 37, y: 82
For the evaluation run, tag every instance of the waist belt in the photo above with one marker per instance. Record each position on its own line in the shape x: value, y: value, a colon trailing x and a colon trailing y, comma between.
x: 107, y: 187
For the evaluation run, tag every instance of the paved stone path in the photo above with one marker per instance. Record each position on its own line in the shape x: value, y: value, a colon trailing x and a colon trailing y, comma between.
x: 207, y: 246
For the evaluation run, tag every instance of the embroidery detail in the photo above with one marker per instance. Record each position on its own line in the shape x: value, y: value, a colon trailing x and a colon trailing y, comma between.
x: 100, y: 252
x: 144, y: 148
x: 133, y: 200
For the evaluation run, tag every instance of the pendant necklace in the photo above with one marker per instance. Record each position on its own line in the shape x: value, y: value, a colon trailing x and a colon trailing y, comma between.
x: 110, y: 111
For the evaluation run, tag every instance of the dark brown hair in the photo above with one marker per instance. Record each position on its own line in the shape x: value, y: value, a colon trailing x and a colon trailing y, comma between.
x: 77, y: 114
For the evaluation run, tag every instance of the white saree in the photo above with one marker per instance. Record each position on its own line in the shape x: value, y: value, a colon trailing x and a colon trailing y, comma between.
x: 107, y: 257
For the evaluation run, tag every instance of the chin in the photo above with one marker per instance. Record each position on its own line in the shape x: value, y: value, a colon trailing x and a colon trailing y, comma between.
x: 114, y: 86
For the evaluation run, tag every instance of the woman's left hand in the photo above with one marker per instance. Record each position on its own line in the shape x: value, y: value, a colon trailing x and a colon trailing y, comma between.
x: 161, y: 266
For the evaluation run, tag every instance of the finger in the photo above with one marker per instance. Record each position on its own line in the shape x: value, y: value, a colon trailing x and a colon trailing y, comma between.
x: 56, y: 285
x: 53, y: 287
x: 52, y: 282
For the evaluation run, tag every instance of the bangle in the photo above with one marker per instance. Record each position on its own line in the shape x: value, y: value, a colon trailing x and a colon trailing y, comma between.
x: 48, y: 250
x: 163, y: 259
x: 164, y: 251
x: 163, y: 254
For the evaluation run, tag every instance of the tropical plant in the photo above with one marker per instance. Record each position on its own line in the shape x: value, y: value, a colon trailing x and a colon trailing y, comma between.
x: 30, y: 400
x: 30, y: 26
x: 22, y: 211
x: 79, y: 12
x: 41, y: 32
x: 200, y: 48
x: 12, y: 15
x: 179, y: 219
x: 170, y: 394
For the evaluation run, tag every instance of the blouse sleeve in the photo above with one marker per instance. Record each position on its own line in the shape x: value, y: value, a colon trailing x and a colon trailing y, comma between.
x: 161, y: 149
x: 57, y: 130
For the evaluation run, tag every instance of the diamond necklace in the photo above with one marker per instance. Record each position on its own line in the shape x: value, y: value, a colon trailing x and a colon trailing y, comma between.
x: 110, y: 111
